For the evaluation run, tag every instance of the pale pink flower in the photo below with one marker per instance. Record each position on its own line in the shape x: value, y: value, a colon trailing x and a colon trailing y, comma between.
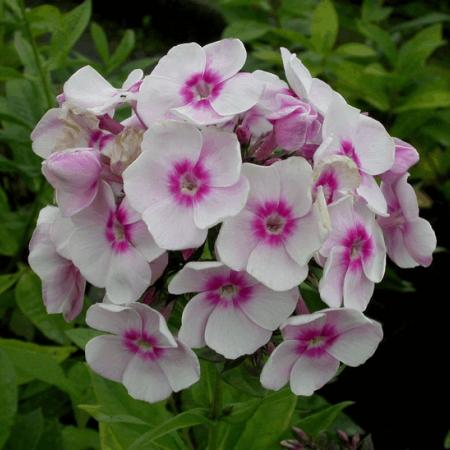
x: 405, y: 157
x: 410, y: 240
x: 232, y: 313
x: 185, y: 181
x: 279, y: 230
x: 337, y: 175
x: 140, y: 352
x: 356, y: 256
x: 364, y: 140
x: 75, y: 176
x: 61, y: 128
x: 199, y: 84
x: 315, y: 91
x: 62, y: 284
x: 112, y: 247
x: 87, y: 90
x: 313, y: 346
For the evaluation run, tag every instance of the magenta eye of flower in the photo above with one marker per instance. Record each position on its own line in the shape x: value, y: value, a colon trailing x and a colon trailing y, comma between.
x: 118, y: 232
x: 348, y: 150
x: 144, y: 344
x: 275, y: 224
x: 316, y: 341
x: 329, y: 184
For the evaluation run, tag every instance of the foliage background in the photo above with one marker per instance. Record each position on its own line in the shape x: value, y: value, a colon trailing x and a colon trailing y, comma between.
x: 388, y: 59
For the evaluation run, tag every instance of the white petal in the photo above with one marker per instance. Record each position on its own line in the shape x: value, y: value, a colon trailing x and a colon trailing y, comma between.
x: 420, y: 240
x: 129, y: 276
x: 277, y: 370
x: 268, y: 308
x: 358, y: 289
x: 145, y: 380
x: 181, y: 367
x: 331, y: 284
x: 237, y: 94
x: 193, y: 323
x: 264, y: 181
x: 236, y: 240
x: 311, y: 373
x: 225, y: 57
x: 372, y: 194
x: 221, y: 203
x: 194, y: 276
x: 112, y: 318
x: 107, y: 356
x: 172, y: 226
x: 273, y: 267
x: 230, y: 333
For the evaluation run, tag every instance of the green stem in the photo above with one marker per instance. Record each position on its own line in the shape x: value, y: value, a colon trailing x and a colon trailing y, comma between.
x: 216, y: 411
x: 45, y: 85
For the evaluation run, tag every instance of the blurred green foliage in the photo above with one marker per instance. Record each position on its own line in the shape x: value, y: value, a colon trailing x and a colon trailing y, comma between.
x: 389, y: 61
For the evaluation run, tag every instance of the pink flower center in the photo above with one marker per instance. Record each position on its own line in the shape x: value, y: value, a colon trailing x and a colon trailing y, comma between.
x: 359, y: 246
x: 142, y: 344
x: 188, y: 183
x: 200, y: 87
x: 118, y: 233
x: 329, y: 183
x: 348, y: 150
x: 226, y: 290
x: 315, y: 341
x: 273, y: 222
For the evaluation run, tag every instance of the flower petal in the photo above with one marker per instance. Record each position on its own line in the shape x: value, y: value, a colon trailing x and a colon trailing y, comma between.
x: 311, y: 373
x: 372, y: 194
x: 331, y: 284
x: 420, y: 240
x: 225, y: 57
x: 107, y: 356
x: 145, y: 380
x: 277, y: 370
x: 358, y: 289
x: 112, y: 318
x: 237, y: 94
x: 273, y: 267
x: 230, y: 333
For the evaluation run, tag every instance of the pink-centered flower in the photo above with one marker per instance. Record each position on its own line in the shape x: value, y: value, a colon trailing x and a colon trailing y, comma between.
x: 356, y: 256
x: 75, y: 176
x: 140, y: 352
x: 62, y: 284
x: 232, y: 313
x: 199, y: 84
x: 313, y: 346
x: 185, y: 181
x: 112, y: 247
x: 279, y: 230
x: 410, y: 240
x: 315, y: 91
x: 347, y: 132
x: 87, y: 90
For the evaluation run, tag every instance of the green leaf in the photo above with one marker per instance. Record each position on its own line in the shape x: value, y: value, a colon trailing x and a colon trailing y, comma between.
x: 322, y: 420
x: 81, y: 336
x: 8, y: 396
x: 99, y: 416
x: 246, y: 30
x: 356, y: 50
x: 27, y: 431
x: 70, y: 30
x: 33, y: 361
x: 272, y: 418
x: 8, y: 73
x: 29, y: 298
x: 324, y: 26
x: 7, y: 281
x: 14, y: 119
x: 418, y: 49
x: 380, y: 37
x: 373, y: 11
x: 447, y: 441
x: 122, y: 51
x: 80, y: 438
x: 100, y: 41
x: 425, y: 99
x: 187, y: 419
x: 25, y: 52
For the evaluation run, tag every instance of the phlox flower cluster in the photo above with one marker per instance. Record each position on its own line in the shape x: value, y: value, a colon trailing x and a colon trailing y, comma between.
x: 220, y: 191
